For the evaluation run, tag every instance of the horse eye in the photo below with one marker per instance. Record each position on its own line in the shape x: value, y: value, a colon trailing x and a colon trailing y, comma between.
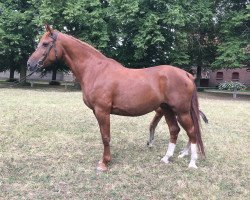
x: 45, y: 44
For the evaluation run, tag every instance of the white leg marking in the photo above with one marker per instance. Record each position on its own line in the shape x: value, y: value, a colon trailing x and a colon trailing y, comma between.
x: 194, y: 156
x: 150, y: 143
x: 170, y: 152
x: 185, y: 151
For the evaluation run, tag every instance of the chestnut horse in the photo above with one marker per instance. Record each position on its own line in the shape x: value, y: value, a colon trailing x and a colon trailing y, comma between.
x: 109, y: 88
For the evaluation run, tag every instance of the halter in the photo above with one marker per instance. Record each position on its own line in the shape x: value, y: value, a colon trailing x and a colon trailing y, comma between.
x: 46, y: 53
x: 42, y: 59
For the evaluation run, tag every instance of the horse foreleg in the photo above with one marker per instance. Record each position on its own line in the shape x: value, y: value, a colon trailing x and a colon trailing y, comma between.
x: 174, y: 131
x: 103, y: 119
x: 153, y: 124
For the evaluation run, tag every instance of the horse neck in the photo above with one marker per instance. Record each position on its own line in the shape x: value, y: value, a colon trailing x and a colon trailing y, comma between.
x: 79, y: 56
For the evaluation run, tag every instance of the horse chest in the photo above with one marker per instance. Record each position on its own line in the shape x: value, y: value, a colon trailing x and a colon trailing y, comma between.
x: 87, y: 101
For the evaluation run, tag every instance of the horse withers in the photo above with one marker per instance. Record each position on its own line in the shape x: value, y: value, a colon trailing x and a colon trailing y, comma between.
x: 109, y: 88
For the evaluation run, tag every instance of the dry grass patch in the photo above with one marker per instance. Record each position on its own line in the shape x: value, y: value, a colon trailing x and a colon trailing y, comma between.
x: 50, y: 144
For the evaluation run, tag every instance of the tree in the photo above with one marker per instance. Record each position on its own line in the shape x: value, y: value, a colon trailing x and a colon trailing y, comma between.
x: 201, y: 33
x: 17, y: 33
x: 82, y: 19
x: 233, y: 21
x: 146, y: 33
x: 138, y: 33
x: 154, y: 32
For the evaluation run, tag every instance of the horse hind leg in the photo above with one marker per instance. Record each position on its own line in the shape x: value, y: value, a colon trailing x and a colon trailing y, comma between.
x: 158, y: 115
x: 187, y: 123
x: 185, y: 151
x: 174, y: 130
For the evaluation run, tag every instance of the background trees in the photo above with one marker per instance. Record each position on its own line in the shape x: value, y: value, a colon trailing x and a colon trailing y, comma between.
x: 138, y: 33
x: 17, y: 33
x: 233, y: 21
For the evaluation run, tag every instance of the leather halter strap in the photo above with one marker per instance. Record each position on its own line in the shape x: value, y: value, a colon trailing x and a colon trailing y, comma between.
x: 46, y: 53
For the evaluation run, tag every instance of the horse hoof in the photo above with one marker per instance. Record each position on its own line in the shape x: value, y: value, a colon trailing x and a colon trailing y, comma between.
x: 150, y: 143
x: 165, y: 160
x: 192, y: 166
x: 182, y: 155
x: 101, y: 167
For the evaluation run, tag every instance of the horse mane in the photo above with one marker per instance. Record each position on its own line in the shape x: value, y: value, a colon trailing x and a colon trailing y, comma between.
x: 83, y: 43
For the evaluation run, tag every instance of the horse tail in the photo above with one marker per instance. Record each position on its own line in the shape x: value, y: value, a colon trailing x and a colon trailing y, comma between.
x: 195, y: 115
x: 203, y: 116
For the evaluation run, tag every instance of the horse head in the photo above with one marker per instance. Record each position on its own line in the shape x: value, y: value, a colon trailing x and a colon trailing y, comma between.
x: 48, y: 50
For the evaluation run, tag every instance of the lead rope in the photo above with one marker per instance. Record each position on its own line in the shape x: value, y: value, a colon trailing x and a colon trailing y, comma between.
x: 20, y: 80
x: 40, y: 62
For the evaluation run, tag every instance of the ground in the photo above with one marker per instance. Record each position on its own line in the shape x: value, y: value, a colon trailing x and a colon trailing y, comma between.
x: 50, y: 145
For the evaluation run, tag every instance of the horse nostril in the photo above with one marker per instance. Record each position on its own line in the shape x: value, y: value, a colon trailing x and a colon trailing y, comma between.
x: 28, y: 65
x: 31, y: 66
x: 40, y: 63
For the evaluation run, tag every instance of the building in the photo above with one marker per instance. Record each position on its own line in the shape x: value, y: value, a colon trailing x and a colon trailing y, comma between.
x: 60, y: 76
x: 241, y: 75
x: 208, y: 78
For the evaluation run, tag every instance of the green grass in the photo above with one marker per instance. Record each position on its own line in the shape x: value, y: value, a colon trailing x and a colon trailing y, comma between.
x: 50, y: 145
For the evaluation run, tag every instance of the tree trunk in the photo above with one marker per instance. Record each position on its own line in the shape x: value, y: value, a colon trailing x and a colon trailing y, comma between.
x: 54, y: 71
x: 12, y: 73
x: 23, y: 73
x: 198, y: 76
x: 53, y: 81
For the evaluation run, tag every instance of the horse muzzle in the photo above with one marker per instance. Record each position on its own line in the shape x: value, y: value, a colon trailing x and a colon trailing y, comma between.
x: 32, y: 66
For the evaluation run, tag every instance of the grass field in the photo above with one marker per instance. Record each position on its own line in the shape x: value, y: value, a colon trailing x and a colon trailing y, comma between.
x: 50, y: 144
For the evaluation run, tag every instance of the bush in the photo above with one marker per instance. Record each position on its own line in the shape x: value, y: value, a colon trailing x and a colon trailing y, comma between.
x: 232, y: 86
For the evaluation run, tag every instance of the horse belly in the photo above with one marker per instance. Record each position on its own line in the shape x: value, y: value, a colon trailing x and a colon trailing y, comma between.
x: 135, y: 103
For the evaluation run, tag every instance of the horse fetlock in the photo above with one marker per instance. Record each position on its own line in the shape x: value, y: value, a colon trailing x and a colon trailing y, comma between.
x: 192, y: 165
x: 194, y: 154
x: 183, y: 153
x: 169, y: 153
x: 171, y: 148
x: 102, y: 167
x: 106, y: 159
x: 165, y: 159
x: 150, y: 143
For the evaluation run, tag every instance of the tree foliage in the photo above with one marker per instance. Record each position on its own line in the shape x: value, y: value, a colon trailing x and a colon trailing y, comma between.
x: 138, y: 33
x: 233, y: 21
x: 16, y: 33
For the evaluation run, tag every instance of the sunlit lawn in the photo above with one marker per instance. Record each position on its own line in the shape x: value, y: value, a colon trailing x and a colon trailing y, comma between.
x: 50, y: 145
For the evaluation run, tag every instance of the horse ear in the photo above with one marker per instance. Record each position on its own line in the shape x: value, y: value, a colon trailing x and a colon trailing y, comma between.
x: 48, y: 28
